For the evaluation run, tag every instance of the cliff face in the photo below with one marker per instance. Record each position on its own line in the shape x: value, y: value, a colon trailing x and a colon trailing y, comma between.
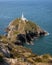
x: 23, y: 30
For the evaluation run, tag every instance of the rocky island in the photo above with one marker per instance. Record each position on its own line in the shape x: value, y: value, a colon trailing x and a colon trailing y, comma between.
x: 22, y: 30
x: 12, y: 49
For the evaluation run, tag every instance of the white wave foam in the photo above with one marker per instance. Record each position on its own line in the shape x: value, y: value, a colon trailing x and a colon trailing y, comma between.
x: 47, y: 33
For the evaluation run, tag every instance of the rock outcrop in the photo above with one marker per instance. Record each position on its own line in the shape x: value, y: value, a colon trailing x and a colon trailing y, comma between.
x: 20, y: 55
x: 23, y: 31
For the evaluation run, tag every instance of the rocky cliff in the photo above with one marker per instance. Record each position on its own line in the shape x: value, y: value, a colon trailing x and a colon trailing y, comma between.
x: 23, y: 31
x: 12, y: 51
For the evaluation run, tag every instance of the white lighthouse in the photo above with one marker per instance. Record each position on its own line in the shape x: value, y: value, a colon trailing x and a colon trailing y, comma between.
x: 23, y: 18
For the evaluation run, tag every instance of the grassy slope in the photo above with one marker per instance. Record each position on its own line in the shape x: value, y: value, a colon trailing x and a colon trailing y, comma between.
x: 22, y: 26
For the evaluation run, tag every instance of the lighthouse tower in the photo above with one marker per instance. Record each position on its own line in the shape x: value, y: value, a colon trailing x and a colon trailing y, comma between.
x: 23, y: 18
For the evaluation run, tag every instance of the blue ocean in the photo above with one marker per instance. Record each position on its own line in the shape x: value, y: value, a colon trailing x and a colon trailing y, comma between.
x: 39, y: 11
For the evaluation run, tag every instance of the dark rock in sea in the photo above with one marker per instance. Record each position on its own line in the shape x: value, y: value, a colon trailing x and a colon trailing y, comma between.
x: 28, y: 37
x: 23, y: 38
x: 42, y: 33
x: 33, y: 34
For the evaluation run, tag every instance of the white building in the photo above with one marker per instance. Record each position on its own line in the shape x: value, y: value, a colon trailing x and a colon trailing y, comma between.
x: 23, y: 18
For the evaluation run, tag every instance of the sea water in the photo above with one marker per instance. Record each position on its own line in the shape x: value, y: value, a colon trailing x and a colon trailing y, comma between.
x: 39, y: 11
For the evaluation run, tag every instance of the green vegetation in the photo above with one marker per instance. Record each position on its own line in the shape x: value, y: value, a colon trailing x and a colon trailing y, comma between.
x: 16, y: 32
x: 30, y: 26
x: 4, y: 39
x: 16, y: 22
x: 38, y: 59
x: 45, y: 56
